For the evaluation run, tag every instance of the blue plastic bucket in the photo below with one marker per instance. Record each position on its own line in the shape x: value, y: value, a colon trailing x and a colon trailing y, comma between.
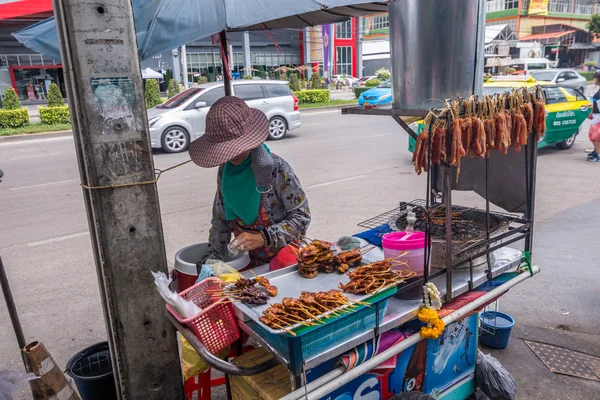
x: 91, y: 369
x: 496, y: 327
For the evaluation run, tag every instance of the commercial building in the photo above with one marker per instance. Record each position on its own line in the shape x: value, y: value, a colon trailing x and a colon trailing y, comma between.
x: 29, y: 73
x: 554, y: 29
x: 260, y: 53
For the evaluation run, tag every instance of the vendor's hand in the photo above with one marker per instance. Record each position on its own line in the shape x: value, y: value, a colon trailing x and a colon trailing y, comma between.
x: 248, y: 241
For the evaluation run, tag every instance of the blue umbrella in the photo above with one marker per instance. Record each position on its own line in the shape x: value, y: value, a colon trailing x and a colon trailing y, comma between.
x: 162, y: 25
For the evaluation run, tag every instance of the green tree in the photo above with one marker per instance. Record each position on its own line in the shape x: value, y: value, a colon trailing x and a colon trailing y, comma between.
x: 383, y: 74
x: 202, y: 80
x: 11, y: 100
x: 173, y: 88
x: 294, y: 83
x: 152, y: 93
x: 55, y: 97
x: 594, y: 25
x: 315, y: 81
x: 261, y: 72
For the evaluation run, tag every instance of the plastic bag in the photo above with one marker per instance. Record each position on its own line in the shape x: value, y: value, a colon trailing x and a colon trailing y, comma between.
x: 191, y: 362
x: 493, y: 379
x: 11, y: 381
x: 184, y: 308
x: 224, y: 271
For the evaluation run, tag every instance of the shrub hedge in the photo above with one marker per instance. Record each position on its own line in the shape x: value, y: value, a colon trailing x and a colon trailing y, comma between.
x: 152, y: 93
x: 359, y: 89
x: 172, y: 88
x: 11, y: 100
x: 312, y: 96
x: 55, y: 115
x: 14, y: 118
x: 371, y: 83
x: 588, y: 75
x: 55, y: 97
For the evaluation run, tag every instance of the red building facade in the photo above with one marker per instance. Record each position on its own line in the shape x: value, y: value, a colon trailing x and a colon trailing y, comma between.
x: 344, y: 42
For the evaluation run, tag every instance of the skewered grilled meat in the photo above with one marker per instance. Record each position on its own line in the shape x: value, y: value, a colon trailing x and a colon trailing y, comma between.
x: 244, y: 283
x: 527, y: 111
x: 264, y: 282
x: 372, y: 277
x: 515, y: 132
x: 490, y: 134
x: 522, y: 134
x: 438, y: 145
x: 539, y: 121
x: 479, y: 142
x: 307, y: 310
x: 457, y: 149
x: 252, y: 295
x: 420, y: 154
x: 509, y: 126
x: 313, y: 256
x: 467, y: 134
x: 502, y: 133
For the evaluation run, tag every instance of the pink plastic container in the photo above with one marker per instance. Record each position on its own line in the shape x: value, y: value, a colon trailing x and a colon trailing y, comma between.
x: 413, y: 243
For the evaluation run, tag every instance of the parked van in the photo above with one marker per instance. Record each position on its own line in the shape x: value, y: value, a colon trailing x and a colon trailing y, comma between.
x: 525, y: 66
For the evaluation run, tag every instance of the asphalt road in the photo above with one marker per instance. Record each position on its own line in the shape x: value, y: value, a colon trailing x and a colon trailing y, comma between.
x: 353, y: 168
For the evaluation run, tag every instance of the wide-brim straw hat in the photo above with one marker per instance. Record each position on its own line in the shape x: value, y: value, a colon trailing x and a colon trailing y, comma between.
x: 231, y: 129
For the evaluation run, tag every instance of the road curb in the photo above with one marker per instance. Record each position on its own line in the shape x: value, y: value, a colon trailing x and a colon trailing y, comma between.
x: 34, y: 136
x: 309, y: 110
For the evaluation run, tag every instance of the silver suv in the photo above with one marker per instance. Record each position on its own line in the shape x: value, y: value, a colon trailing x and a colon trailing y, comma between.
x: 181, y: 119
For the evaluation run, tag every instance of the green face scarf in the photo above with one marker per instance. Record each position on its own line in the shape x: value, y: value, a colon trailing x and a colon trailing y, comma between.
x: 240, y: 195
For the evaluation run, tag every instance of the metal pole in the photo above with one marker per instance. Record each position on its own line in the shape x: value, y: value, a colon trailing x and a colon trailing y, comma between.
x: 12, y: 309
x: 224, y: 62
x: 99, y: 55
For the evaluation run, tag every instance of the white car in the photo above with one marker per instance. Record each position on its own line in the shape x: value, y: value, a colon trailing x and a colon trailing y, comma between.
x: 363, y: 80
x: 346, y: 80
x: 181, y: 119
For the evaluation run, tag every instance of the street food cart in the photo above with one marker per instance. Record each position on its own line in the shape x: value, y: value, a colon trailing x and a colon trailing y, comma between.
x: 373, y: 346
x: 473, y: 255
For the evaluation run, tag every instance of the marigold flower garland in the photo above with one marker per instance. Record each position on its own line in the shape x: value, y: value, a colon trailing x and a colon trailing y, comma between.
x: 428, y: 313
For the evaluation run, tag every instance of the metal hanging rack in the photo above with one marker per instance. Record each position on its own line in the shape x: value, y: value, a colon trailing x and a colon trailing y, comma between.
x: 490, y: 242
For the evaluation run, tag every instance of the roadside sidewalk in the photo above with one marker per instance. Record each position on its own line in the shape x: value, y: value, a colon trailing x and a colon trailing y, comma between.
x: 34, y: 136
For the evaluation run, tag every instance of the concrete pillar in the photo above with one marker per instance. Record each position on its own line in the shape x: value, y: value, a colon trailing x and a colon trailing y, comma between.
x: 176, y: 54
x: 307, y: 47
x: 184, y: 67
x: 246, y: 53
x: 359, y: 49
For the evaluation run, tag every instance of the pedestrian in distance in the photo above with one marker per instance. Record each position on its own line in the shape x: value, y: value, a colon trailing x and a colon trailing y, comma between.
x: 594, y: 132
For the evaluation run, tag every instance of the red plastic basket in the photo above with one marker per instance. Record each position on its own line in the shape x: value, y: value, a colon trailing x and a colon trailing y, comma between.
x: 215, y: 325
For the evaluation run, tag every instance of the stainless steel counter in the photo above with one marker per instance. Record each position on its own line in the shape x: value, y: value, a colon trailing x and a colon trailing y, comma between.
x: 400, y: 311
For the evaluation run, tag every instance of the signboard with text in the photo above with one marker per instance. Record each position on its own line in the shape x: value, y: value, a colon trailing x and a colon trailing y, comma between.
x: 538, y: 7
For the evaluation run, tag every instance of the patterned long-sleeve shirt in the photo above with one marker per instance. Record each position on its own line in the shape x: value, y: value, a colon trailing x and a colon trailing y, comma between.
x: 286, y: 206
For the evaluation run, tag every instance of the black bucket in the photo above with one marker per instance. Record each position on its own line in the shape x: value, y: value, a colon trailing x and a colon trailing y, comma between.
x: 91, y: 370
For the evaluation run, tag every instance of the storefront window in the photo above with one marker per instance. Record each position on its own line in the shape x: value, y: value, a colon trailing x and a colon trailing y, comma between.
x: 32, y: 83
x: 343, y: 62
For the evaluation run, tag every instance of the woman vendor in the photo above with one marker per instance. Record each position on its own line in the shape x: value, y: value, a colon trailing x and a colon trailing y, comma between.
x: 259, y: 198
